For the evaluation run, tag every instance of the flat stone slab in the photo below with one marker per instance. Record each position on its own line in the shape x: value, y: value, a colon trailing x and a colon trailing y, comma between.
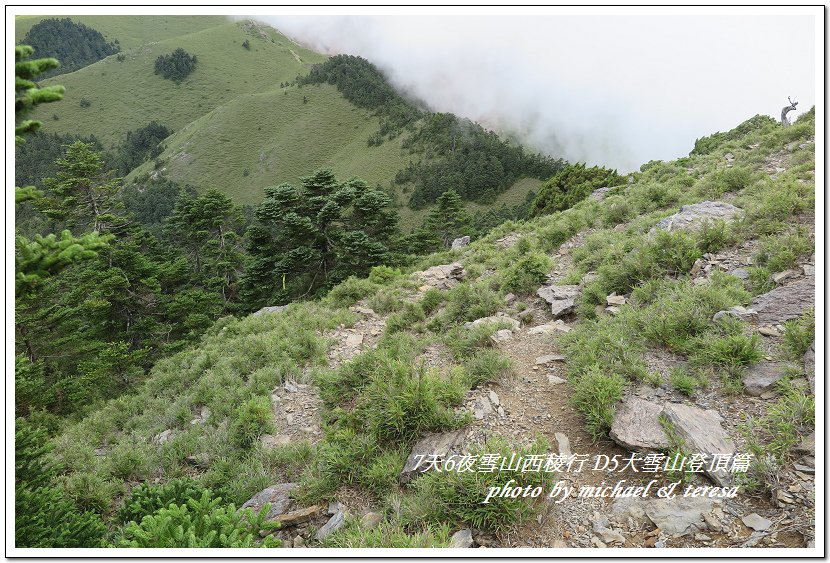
x: 277, y: 495
x: 701, y: 432
x: 298, y: 516
x: 691, y: 217
x: 786, y: 302
x: 756, y: 522
x: 542, y: 360
x: 550, y: 328
x: 678, y: 516
x: 637, y: 427
x: 762, y: 377
x: 443, y: 445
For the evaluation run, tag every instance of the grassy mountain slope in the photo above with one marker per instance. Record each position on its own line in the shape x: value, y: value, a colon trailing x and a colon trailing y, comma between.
x: 276, y: 138
x: 128, y: 95
x: 131, y: 31
x: 377, y: 404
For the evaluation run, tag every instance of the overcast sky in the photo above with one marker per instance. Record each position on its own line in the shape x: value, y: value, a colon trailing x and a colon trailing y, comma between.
x: 611, y: 90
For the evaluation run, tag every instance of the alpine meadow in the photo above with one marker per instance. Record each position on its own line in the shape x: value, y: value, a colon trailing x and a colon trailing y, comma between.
x: 265, y: 297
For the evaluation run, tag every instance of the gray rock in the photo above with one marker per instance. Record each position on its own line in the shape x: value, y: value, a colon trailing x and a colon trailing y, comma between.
x: 482, y: 408
x: 163, y: 437
x: 509, y: 298
x: 550, y: 328
x: 445, y: 276
x: 599, y: 194
x: 460, y: 243
x: 810, y: 366
x: 542, y: 360
x: 611, y: 536
x: 499, y: 320
x: 807, y: 445
x: 335, y: 523
x: 749, y: 315
x: 442, y: 445
x: 562, y: 298
x: 615, y: 300
x: 740, y: 273
x: 279, y: 496
x: 563, y: 445
x: 371, y: 520
x: 274, y: 309
x: 691, y: 217
x: 501, y: 335
x: 701, y: 432
x: 636, y: 425
x: 462, y: 539
x: 678, y: 516
x: 809, y: 270
x: 553, y: 380
x: 298, y: 541
x: 784, y: 276
x: 494, y: 398
x: 762, y: 377
x: 786, y: 302
x: 756, y: 522
x: 599, y: 521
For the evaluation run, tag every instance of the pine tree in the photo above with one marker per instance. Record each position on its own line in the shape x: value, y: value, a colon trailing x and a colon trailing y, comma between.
x: 207, y: 228
x: 84, y: 195
x: 307, y: 239
x: 38, y: 258
x: 449, y: 219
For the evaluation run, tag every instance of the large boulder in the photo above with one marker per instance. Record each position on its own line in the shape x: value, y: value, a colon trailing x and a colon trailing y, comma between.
x: 692, y: 217
x: 274, y: 309
x: 562, y: 298
x: 460, y: 243
x: 443, y: 445
x: 786, y: 302
x: 279, y: 496
x: 762, y: 377
x: 637, y: 427
x: 701, y: 432
x: 445, y: 276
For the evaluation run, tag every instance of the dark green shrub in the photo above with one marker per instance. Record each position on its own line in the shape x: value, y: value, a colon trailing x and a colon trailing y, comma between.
x: 44, y: 517
x: 176, y: 66
x: 569, y: 186
x: 201, y: 522
x: 253, y: 419
x: 145, y: 499
x: 527, y: 274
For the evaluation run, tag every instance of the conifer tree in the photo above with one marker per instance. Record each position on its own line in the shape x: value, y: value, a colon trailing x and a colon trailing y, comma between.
x: 40, y: 257
x: 449, y: 219
x: 304, y: 240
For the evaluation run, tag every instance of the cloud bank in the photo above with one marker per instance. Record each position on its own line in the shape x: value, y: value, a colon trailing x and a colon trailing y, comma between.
x: 612, y: 90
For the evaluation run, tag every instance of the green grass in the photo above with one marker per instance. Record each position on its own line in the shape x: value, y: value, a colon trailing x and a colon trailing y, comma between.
x: 128, y: 95
x: 276, y: 138
x: 131, y: 31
